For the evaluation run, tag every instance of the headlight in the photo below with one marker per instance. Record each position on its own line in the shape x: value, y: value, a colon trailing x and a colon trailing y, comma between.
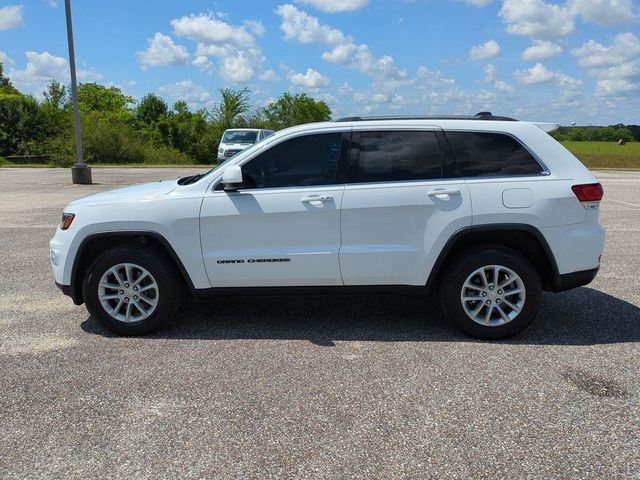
x: 67, y: 218
x: 221, y: 150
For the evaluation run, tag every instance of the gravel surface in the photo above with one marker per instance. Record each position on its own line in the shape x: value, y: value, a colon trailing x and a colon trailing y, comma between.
x: 312, y: 387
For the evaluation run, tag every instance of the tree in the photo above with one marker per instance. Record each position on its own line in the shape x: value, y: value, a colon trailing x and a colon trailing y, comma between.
x: 55, y: 94
x: 150, y: 109
x: 290, y: 110
x: 6, y: 86
x: 55, y: 117
x: 21, y: 124
x: 98, y: 98
x: 233, y: 105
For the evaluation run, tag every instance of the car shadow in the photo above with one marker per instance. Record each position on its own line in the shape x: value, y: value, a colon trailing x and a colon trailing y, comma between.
x: 583, y: 316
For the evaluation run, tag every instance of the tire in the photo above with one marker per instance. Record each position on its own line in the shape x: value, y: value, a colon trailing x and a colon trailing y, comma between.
x: 149, y: 300
x: 509, y: 314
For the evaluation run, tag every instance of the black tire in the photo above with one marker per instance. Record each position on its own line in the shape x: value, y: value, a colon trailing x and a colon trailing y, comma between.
x: 465, y: 265
x: 165, y: 275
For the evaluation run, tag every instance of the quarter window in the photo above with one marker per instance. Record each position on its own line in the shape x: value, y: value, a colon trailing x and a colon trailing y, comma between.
x: 302, y: 161
x: 396, y: 156
x: 482, y: 154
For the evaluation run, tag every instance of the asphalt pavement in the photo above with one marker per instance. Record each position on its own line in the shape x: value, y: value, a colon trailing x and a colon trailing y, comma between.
x: 312, y: 387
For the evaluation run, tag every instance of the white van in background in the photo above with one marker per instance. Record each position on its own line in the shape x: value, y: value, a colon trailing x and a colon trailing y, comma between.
x: 237, y: 139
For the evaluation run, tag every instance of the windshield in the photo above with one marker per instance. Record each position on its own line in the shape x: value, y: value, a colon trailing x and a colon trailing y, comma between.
x: 239, y: 136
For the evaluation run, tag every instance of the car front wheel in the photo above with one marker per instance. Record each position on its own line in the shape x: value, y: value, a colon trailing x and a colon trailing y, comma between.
x: 129, y: 291
x: 491, y: 293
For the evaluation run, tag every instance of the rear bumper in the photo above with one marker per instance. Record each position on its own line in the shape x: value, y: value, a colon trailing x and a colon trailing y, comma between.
x: 567, y: 281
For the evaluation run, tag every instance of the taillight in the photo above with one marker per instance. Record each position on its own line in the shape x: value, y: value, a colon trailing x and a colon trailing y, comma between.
x: 588, y: 194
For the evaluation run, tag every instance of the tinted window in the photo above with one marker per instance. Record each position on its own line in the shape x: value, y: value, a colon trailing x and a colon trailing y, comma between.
x: 302, y: 161
x: 239, y: 136
x: 489, y: 154
x: 396, y: 156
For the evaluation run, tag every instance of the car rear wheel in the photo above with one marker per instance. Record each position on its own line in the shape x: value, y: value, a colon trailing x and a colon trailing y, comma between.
x: 491, y: 293
x: 130, y: 291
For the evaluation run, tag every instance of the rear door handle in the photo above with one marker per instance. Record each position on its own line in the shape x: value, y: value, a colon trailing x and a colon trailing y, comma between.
x: 317, y: 198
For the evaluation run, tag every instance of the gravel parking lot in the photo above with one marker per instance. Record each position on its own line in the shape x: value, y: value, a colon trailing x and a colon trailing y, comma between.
x: 312, y: 387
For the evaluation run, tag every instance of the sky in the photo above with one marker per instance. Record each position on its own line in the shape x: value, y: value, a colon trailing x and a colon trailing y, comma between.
x: 568, y: 61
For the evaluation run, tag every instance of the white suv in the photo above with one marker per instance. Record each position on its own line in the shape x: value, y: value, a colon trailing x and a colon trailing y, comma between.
x: 238, y: 139
x: 490, y: 210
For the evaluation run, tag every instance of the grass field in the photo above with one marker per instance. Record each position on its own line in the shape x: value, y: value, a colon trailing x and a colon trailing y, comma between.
x: 606, y: 154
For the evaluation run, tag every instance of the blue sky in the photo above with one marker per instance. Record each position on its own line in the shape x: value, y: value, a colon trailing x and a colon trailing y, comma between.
x: 575, y: 60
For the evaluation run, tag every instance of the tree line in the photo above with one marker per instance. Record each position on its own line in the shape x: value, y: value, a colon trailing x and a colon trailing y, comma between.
x: 118, y: 129
x: 613, y: 133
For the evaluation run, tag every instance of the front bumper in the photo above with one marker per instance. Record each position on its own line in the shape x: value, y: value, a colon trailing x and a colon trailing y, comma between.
x: 71, y: 292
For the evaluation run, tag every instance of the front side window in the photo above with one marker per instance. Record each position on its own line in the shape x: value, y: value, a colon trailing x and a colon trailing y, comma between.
x: 396, y: 156
x: 302, y: 161
x: 484, y: 154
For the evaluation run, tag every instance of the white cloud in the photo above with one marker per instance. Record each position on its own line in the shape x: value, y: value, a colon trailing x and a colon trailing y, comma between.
x: 379, y: 98
x: 534, y: 75
x: 186, y: 90
x: 345, y: 89
x: 255, y: 27
x: 359, y: 97
x: 625, y: 48
x: 605, y: 12
x: 332, y: 6
x: 488, y: 49
x: 269, y: 76
x: 616, y: 67
x: 311, y: 79
x: 304, y: 28
x: 536, y: 19
x: 238, y: 68
x: 42, y: 67
x: 503, y: 87
x: 235, y: 45
x: 5, y: 59
x: 541, y: 50
x: 162, y: 52
x: 11, y: 17
x: 203, y: 50
x: 491, y: 76
x: 433, y: 78
x: 208, y: 28
x: 202, y: 63
x: 478, y: 3
x: 540, y: 74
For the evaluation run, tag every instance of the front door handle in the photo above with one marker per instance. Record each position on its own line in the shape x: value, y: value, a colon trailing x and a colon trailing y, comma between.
x: 317, y: 198
x: 443, y: 191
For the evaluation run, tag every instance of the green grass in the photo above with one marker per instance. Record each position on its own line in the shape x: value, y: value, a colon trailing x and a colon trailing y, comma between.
x: 606, y: 154
x: 4, y: 162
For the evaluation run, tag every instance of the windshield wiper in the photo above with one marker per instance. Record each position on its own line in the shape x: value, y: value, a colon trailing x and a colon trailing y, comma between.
x: 190, y: 179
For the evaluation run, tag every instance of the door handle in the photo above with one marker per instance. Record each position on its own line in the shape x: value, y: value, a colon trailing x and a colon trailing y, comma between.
x: 317, y: 198
x: 443, y: 191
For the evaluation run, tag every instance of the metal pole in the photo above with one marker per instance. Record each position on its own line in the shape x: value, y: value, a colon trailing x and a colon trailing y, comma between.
x: 80, y: 173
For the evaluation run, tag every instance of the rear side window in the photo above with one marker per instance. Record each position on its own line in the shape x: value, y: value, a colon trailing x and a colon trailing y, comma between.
x: 480, y: 154
x: 395, y: 156
x: 301, y: 161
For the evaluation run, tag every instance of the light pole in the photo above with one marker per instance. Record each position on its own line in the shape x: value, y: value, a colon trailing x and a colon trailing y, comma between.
x: 80, y: 173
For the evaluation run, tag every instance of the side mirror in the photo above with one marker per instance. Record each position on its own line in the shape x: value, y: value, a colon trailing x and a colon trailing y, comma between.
x: 232, y: 178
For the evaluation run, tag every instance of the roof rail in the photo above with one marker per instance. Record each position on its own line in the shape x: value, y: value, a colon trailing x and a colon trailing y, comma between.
x: 477, y: 116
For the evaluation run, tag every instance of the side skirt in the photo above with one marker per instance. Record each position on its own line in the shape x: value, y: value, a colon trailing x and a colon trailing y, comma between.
x: 409, y: 290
